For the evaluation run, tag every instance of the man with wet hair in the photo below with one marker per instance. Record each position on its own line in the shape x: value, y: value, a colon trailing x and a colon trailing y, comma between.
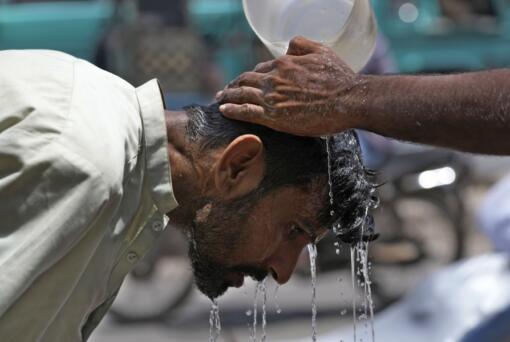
x: 92, y: 169
x: 288, y: 168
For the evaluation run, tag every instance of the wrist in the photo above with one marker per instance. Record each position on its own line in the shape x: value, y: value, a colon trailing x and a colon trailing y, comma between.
x: 353, y: 105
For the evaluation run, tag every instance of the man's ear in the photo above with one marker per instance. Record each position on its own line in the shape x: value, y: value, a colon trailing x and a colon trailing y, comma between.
x: 241, y: 167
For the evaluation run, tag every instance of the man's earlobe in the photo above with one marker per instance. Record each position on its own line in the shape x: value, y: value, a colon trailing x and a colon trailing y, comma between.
x: 241, y: 167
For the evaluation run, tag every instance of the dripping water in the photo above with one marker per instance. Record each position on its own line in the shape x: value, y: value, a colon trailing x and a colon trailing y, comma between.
x: 263, y: 289
x: 359, y: 255
x: 214, y: 322
x: 353, y: 276
x: 358, y: 252
x: 330, y: 182
x: 253, y: 330
x: 275, y: 298
x: 312, y: 251
x: 367, y: 285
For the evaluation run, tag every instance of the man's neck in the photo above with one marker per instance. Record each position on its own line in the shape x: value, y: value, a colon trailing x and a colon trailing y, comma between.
x: 182, y: 168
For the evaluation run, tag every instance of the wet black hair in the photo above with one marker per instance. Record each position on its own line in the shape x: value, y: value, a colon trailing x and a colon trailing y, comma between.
x: 296, y: 161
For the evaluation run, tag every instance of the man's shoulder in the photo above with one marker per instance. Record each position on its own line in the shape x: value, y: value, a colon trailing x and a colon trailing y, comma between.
x: 40, y: 71
x: 49, y: 55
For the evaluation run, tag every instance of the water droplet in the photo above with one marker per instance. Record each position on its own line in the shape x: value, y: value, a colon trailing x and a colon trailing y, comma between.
x: 275, y: 296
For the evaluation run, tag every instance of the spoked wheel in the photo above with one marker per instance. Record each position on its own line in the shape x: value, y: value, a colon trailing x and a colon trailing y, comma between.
x: 419, y: 234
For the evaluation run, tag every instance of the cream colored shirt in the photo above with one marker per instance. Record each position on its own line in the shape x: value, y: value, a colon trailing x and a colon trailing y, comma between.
x: 84, y: 186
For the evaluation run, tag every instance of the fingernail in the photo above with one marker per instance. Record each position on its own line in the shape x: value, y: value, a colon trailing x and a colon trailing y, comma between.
x: 218, y: 94
x: 223, y: 107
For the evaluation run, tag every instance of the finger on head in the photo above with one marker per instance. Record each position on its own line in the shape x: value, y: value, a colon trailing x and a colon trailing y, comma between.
x: 242, y: 95
x: 264, y: 67
x: 244, y: 112
x: 248, y: 79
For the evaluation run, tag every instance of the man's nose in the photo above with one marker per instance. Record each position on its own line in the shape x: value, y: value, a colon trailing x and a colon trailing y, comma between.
x: 283, y: 263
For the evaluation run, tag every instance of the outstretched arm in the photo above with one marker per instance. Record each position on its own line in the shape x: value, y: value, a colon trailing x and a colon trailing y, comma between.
x: 311, y: 91
x: 469, y: 112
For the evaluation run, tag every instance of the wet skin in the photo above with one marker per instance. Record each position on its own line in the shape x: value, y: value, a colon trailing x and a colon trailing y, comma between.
x: 229, y: 242
x: 279, y: 227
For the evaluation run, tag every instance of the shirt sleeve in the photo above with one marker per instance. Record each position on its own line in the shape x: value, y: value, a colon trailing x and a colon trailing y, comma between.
x: 49, y: 200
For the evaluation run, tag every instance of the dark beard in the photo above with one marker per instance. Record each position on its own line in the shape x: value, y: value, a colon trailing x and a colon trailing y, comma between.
x: 214, y: 239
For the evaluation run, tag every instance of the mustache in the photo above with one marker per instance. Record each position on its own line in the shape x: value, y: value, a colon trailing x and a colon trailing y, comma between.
x: 254, y: 272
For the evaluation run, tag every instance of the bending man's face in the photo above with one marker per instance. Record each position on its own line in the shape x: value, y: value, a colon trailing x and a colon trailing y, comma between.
x: 254, y: 236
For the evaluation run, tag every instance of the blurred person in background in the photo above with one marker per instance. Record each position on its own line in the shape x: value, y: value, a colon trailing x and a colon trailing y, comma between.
x: 92, y: 169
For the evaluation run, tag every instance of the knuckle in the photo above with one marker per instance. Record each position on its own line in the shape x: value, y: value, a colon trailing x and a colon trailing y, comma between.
x: 272, y: 98
x: 233, y: 83
x: 245, y: 107
x: 281, y: 106
x: 246, y: 78
x: 243, y: 78
x: 296, y: 40
x: 260, y: 66
x: 282, y: 61
x: 268, y: 83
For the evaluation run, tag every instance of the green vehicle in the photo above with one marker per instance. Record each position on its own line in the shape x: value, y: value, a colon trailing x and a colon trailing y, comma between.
x: 446, y: 35
x: 223, y: 24
x: 73, y: 26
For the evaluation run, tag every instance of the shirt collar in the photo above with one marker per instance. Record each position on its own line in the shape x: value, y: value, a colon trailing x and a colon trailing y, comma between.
x: 158, y: 170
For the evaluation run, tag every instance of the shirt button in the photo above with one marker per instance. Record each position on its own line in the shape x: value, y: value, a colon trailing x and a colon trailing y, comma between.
x: 132, y: 257
x: 157, y: 226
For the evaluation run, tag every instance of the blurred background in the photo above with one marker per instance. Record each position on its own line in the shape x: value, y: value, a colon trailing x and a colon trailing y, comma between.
x: 444, y: 219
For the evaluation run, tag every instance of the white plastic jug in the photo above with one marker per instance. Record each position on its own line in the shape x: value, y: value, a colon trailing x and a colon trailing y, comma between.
x: 347, y: 26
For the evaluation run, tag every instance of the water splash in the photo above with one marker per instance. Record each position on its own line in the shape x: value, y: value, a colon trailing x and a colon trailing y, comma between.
x: 214, y: 322
x: 312, y: 251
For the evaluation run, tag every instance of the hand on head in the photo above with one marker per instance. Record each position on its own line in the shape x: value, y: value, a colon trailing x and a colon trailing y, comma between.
x: 306, y: 92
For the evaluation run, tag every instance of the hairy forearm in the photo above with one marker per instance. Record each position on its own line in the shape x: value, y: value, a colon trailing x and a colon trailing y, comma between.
x: 468, y: 112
